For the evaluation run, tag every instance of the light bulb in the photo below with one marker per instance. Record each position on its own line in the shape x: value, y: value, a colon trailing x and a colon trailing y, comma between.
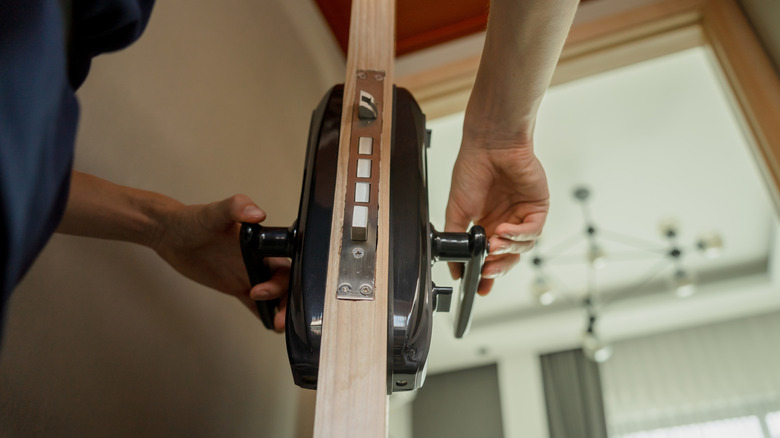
x: 597, y: 257
x: 684, y: 283
x: 668, y: 227
x: 541, y: 289
x: 594, y: 348
x: 711, y: 244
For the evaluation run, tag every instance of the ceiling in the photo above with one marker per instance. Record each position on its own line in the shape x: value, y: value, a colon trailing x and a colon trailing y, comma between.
x: 652, y: 141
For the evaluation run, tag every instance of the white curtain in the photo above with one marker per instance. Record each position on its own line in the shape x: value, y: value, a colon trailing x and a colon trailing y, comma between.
x: 716, y: 372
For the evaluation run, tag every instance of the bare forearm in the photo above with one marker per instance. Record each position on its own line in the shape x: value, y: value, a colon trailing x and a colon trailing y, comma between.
x: 522, y: 47
x: 99, y: 208
x: 199, y: 241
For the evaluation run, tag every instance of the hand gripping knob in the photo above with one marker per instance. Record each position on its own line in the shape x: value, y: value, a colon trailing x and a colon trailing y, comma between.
x: 257, y: 243
x: 471, y: 248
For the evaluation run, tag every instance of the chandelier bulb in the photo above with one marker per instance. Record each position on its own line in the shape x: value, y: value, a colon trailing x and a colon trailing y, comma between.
x: 669, y: 227
x: 683, y: 283
x: 711, y: 244
x: 594, y: 348
x: 597, y: 258
x: 542, y: 291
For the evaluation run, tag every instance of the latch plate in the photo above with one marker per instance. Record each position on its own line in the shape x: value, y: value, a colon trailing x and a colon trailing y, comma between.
x: 357, y: 264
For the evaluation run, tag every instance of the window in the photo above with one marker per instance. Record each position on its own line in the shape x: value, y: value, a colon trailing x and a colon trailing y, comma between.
x: 773, y: 424
x: 742, y: 427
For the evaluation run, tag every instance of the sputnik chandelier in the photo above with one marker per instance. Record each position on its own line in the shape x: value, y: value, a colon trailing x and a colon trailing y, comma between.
x: 547, y: 288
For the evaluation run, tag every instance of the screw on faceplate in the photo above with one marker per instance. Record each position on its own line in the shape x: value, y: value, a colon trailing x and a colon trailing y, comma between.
x: 345, y: 288
x: 378, y: 77
x: 366, y: 289
x: 361, y: 75
x: 358, y: 253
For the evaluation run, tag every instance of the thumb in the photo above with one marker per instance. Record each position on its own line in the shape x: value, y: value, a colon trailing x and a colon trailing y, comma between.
x: 456, y: 220
x: 237, y: 208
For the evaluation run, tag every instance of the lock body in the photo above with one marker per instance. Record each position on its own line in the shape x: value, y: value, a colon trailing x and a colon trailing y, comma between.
x: 412, y: 297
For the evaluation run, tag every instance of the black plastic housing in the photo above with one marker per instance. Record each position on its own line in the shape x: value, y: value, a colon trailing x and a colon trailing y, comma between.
x: 307, y: 243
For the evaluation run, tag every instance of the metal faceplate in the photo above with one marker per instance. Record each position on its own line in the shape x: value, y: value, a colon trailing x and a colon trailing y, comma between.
x: 357, y: 264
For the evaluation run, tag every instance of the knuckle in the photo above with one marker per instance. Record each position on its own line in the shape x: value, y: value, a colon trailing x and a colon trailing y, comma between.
x: 238, y: 197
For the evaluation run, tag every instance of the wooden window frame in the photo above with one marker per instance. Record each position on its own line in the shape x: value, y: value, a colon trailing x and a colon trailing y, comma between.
x: 609, y: 34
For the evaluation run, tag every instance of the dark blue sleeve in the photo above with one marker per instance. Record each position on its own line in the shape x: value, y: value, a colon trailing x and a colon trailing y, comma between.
x: 39, y: 71
x: 101, y: 26
x: 38, y: 114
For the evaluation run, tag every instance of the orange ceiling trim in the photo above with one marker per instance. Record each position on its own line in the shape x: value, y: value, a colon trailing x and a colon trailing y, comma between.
x: 337, y: 13
x: 442, y: 34
x: 419, y: 23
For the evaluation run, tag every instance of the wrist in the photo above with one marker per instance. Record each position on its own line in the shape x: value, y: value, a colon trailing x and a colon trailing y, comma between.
x: 101, y: 209
x: 484, y: 127
x: 490, y: 137
x: 152, y: 224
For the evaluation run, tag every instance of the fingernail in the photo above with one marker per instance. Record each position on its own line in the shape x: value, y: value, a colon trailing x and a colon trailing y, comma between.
x: 261, y: 294
x: 500, y: 250
x: 507, y: 236
x: 252, y: 210
x: 491, y: 274
x: 528, y: 248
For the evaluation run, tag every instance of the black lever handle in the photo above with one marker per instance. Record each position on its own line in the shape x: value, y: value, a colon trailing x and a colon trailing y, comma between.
x: 471, y: 248
x: 257, y: 243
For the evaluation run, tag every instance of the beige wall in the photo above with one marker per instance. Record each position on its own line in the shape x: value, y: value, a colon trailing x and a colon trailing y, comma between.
x: 103, y: 339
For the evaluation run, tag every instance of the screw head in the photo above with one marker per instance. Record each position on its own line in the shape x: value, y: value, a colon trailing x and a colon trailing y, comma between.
x: 358, y: 253
x: 361, y: 75
x: 345, y: 288
x: 366, y: 289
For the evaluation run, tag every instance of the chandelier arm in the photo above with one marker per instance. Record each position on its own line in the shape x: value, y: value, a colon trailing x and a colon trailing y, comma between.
x: 566, y: 259
x: 631, y: 256
x: 586, y: 213
x: 592, y: 293
x: 632, y: 241
x: 574, y: 259
x: 563, y: 292
x: 565, y: 244
x: 651, y: 274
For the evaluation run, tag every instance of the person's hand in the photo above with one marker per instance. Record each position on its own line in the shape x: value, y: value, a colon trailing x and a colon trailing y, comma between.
x: 503, y: 188
x: 201, y: 243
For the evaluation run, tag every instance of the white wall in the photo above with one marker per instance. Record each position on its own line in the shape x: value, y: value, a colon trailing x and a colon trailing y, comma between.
x: 102, y: 338
x: 521, y: 389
